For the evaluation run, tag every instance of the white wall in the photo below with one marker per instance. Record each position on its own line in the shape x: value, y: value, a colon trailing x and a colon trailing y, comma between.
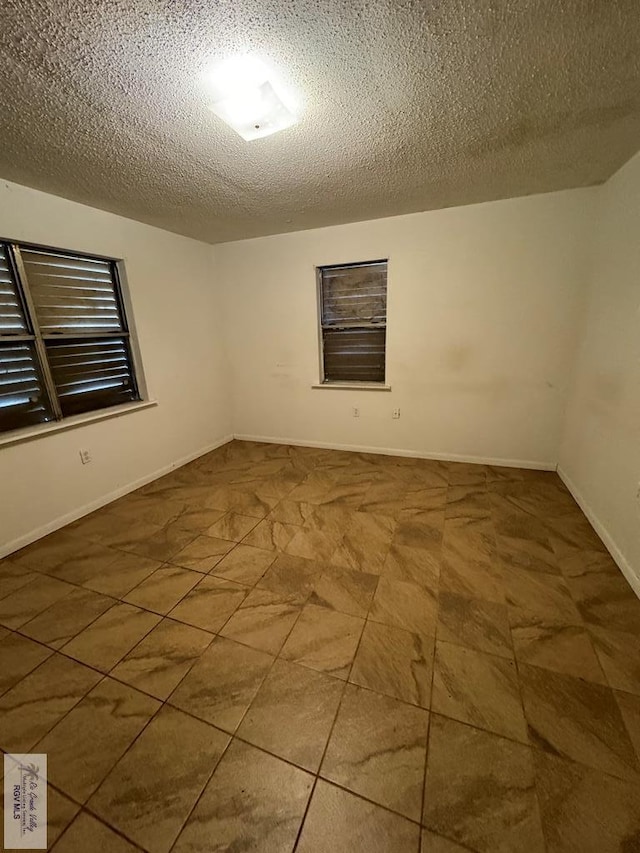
x: 176, y: 312
x: 483, y: 312
x: 600, y: 455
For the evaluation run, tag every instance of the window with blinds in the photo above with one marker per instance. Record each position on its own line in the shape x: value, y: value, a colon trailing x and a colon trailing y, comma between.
x: 353, y: 320
x: 64, y: 340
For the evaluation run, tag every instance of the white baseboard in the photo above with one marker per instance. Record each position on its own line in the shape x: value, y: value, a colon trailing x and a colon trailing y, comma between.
x: 624, y: 565
x: 415, y: 454
x: 75, y: 514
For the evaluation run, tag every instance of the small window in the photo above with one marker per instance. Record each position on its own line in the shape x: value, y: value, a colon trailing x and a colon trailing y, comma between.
x: 353, y: 321
x: 64, y: 339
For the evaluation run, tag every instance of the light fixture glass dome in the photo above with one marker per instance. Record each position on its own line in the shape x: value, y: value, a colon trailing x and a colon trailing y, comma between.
x: 248, y: 97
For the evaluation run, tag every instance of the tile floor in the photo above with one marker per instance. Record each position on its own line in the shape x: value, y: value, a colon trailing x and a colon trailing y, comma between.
x: 278, y: 648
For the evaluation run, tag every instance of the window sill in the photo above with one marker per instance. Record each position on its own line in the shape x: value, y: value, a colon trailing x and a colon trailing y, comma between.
x: 354, y: 386
x: 17, y: 436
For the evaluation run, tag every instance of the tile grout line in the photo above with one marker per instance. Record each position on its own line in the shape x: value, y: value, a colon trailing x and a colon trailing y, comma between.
x: 86, y: 811
x: 85, y: 805
x: 109, y: 675
x: 102, y: 673
x: 430, y: 722
x: 96, y: 669
x: 163, y: 703
x: 105, y: 675
x: 164, y: 616
x: 90, y: 690
x: 530, y: 746
x: 540, y: 821
x: 330, y: 735
x: 115, y: 602
x: 233, y: 735
x: 59, y: 651
x: 305, y: 770
x: 316, y: 775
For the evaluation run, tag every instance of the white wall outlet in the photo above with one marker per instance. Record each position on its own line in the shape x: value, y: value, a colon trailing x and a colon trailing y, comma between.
x: 356, y: 412
x: 85, y: 457
x: 395, y: 414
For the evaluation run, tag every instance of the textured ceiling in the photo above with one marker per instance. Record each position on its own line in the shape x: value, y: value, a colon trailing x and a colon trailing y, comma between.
x: 408, y: 105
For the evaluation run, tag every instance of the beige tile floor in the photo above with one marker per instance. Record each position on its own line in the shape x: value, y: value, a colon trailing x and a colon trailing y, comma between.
x: 278, y: 648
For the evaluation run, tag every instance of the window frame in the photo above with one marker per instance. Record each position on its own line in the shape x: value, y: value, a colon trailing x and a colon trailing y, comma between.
x: 381, y: 385
x: 35, y: 337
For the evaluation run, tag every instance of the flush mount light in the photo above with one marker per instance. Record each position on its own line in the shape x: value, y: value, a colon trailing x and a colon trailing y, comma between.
x: 248, y: 96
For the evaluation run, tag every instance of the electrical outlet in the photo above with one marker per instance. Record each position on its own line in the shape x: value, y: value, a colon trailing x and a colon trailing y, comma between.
x: 356, y: 412
x: 85, y: 457
x: 395, y: 414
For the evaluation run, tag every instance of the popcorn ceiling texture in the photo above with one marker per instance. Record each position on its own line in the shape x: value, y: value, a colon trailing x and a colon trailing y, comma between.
x: 408, y: 106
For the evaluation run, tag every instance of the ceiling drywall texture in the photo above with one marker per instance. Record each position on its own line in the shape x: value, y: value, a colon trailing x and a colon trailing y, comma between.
x: 408, y: 105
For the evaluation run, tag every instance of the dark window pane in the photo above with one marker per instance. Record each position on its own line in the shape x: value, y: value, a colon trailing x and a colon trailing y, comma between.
x: 23, y: 401
x: 354, y: 355
x: 72, y: 294
x: 354, y: 295
x: 91, y: 374
x: 12, y: 319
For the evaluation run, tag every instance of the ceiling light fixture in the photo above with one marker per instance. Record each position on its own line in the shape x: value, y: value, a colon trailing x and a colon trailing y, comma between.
x: 248, y: 96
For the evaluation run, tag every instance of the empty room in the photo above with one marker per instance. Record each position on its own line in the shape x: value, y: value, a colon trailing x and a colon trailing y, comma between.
x: 320, y: 426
